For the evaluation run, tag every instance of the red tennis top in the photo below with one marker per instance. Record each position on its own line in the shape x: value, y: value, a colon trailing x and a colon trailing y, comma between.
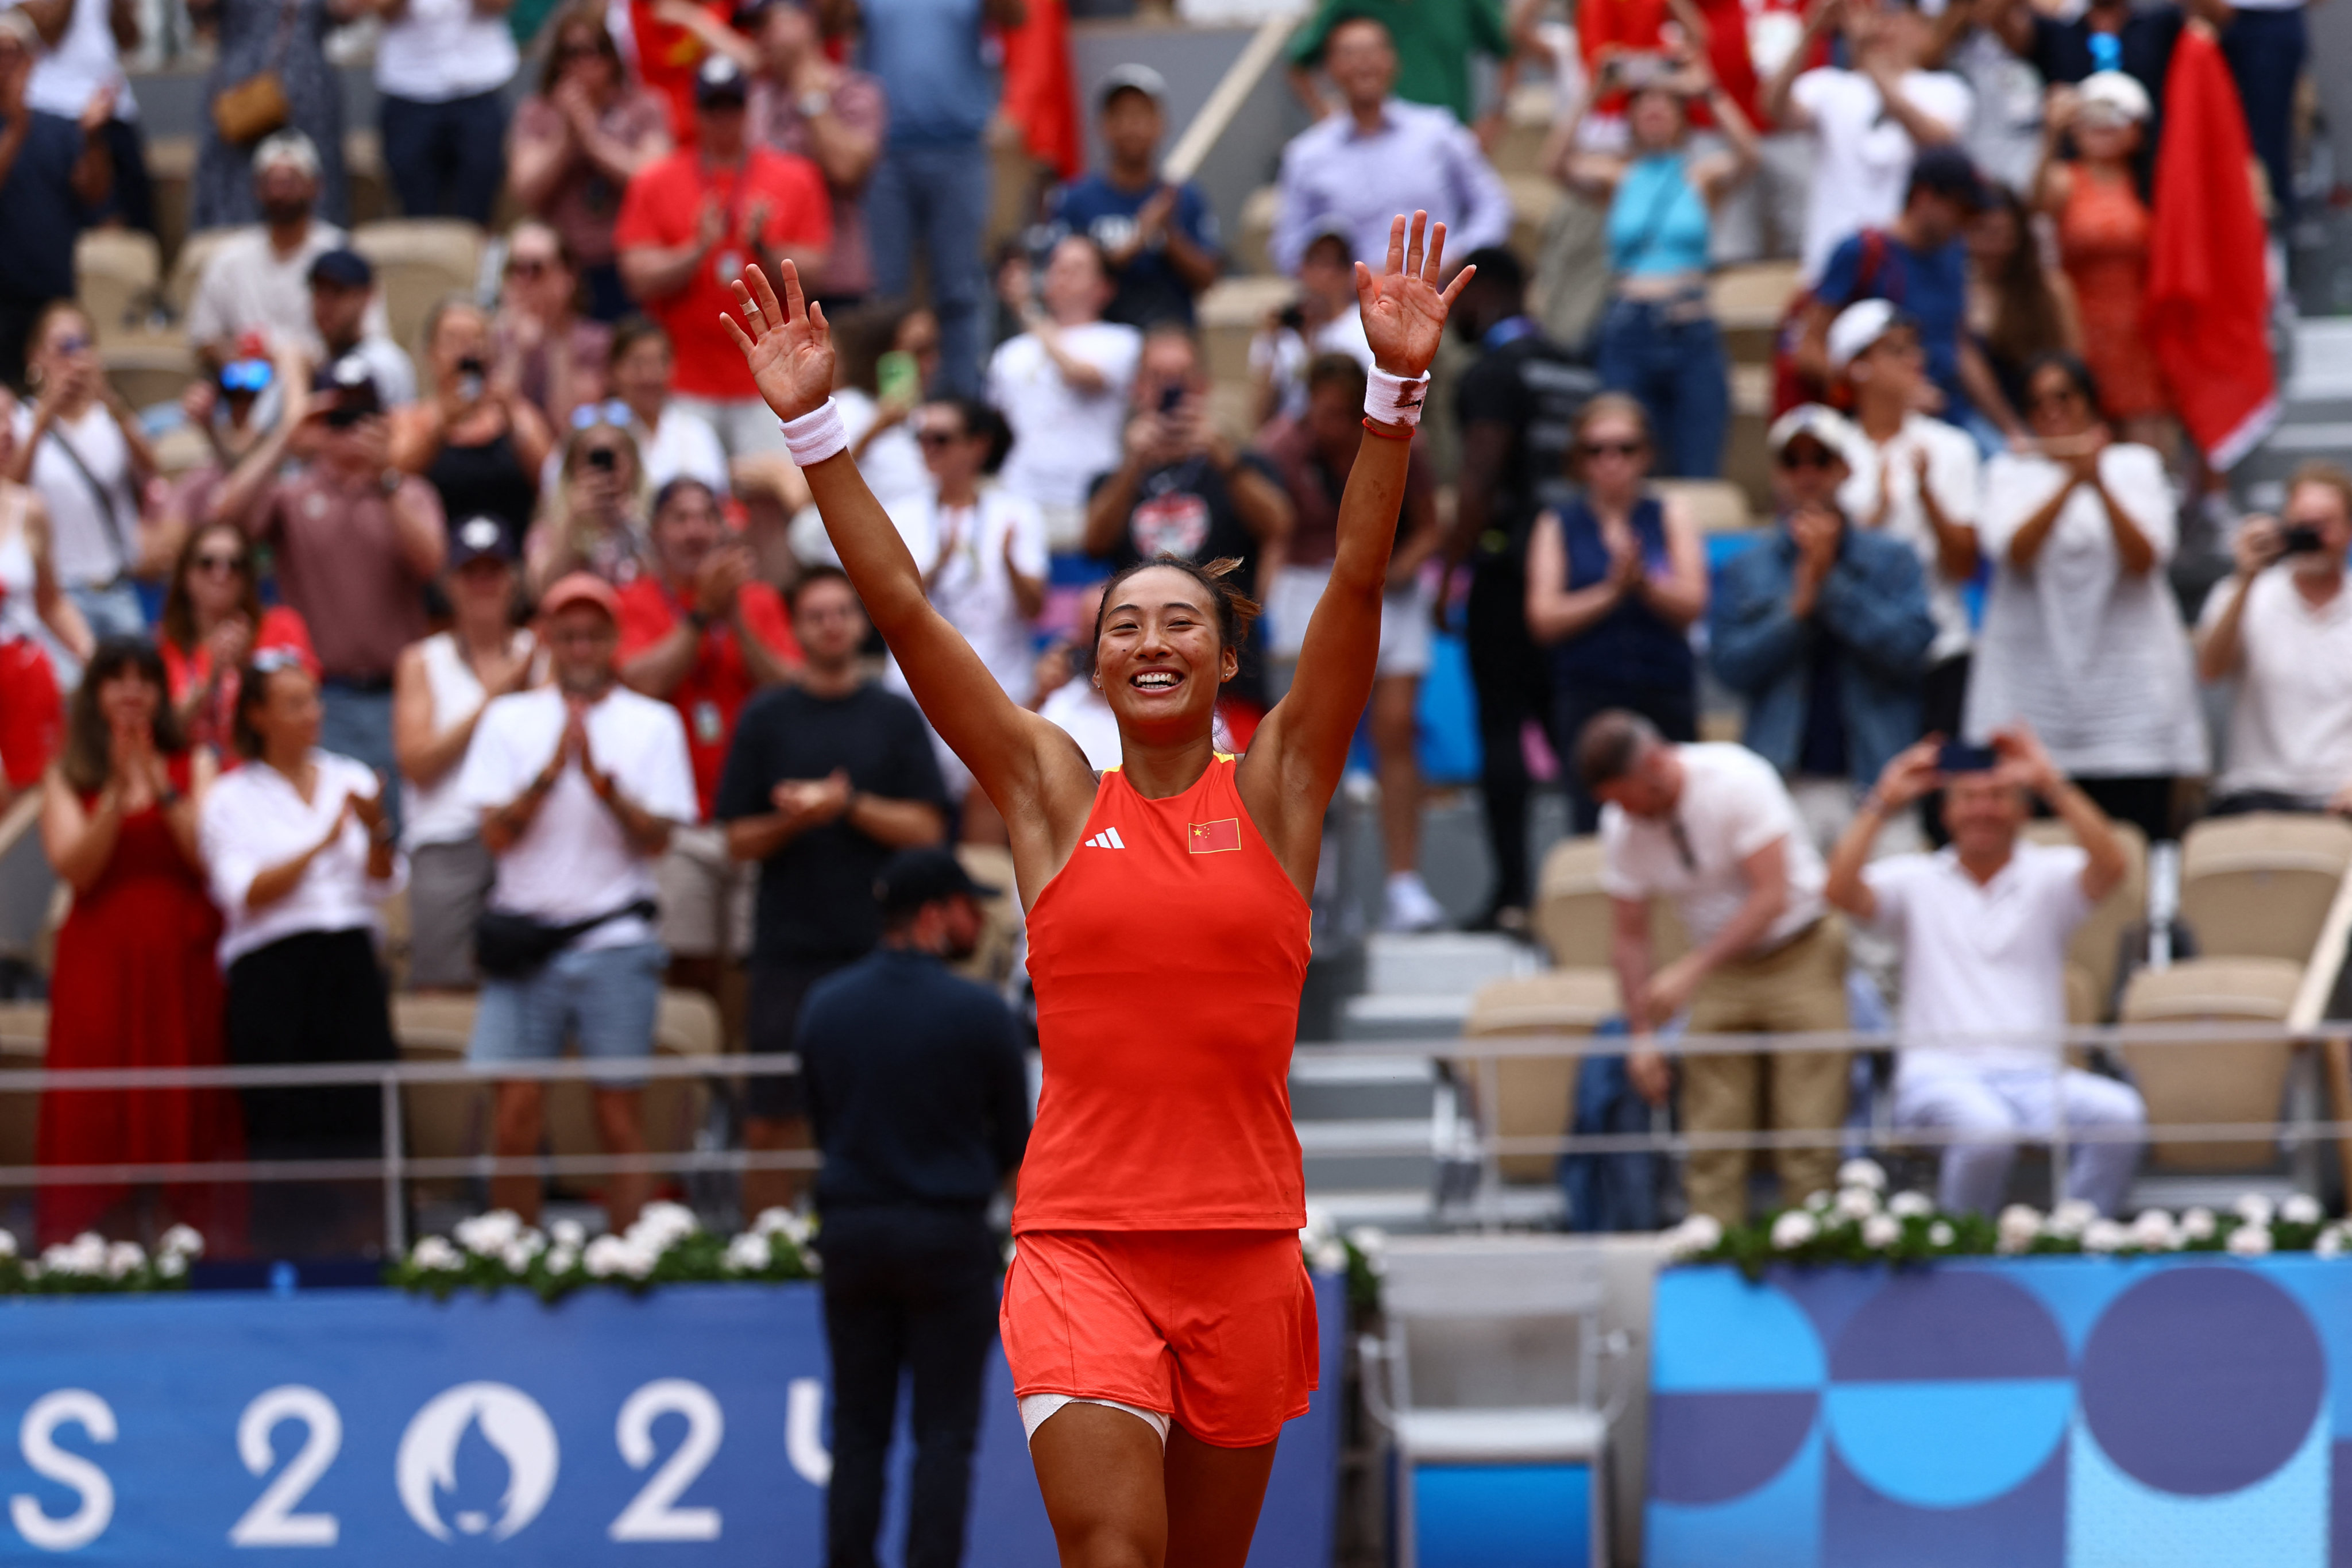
x: 1166, y: 958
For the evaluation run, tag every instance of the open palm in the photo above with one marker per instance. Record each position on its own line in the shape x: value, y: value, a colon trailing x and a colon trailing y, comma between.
x: 1403, y: 309
x: 790, y: 346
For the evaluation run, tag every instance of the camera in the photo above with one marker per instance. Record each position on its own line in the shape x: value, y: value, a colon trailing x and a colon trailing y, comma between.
x: 603, y: 459
x: 1959, y: 757
x: 2299, y: 538
x: 1171, y: 398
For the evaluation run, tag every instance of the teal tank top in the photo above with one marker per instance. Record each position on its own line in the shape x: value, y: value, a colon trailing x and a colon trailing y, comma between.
x: 1657, y: 223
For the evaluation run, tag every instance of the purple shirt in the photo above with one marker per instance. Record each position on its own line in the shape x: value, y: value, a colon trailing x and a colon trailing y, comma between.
x: 1420, y: 158
x: 777, y: 122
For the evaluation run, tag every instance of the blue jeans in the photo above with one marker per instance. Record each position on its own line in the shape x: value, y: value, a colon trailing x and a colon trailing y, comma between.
x: 606, y: 998
x: 112, y: 611
x: 447, y: 160
x: 2265, y: 50
x: 357, y: 724
x: 1677, y: 368
x: 938, y: 197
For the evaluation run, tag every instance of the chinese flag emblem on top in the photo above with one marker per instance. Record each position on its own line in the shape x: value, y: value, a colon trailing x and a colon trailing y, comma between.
x: 1209, y: 837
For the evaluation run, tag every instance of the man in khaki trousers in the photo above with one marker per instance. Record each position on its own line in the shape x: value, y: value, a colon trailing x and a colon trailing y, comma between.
x: 1713, y: 828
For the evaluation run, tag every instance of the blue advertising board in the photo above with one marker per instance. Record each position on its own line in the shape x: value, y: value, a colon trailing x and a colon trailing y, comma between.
x: 687, y: 1427
x: 2160, y: 1413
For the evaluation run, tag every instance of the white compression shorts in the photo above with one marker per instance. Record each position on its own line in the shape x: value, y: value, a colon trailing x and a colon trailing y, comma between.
x: 1037, y: 1406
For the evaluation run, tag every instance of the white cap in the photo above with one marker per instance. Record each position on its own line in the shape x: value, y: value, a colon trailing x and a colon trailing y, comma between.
x: 288, y: 146
x: 1858, y: 326
x: 1823, y: 424
x: 2113, y: 96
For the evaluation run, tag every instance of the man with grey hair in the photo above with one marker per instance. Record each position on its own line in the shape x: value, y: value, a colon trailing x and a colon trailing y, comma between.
x: 1712, y: 828
x: 260, y: 279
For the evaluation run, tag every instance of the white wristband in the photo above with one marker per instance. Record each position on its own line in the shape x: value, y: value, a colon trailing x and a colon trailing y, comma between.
x: 1392, y: 399
x: 816, y: 435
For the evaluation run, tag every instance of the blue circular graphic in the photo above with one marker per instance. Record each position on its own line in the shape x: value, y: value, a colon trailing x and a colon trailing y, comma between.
x: 2202, y: 1379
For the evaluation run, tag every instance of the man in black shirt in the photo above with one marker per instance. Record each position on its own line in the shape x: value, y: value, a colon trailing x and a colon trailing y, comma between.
x: 1518, y: 405
x: 918, y: 1090
x: 55, y: 176
x: 1185, y: 490
x: 825, y: 778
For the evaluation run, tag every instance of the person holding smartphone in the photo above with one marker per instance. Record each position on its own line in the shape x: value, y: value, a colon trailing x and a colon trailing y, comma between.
x: 2280, y: 627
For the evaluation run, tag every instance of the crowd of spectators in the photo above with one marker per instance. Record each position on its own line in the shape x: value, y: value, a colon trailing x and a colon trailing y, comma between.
x: 529, y: 624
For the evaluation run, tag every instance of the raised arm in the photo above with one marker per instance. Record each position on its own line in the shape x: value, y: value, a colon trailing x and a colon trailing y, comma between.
x: 1031, y: 769
x: 1295, y: 760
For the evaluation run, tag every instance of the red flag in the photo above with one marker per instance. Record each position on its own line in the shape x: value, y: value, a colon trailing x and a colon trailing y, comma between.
x: 2209, y: 281
x: 1041, y: 93
x: 1209, y: 837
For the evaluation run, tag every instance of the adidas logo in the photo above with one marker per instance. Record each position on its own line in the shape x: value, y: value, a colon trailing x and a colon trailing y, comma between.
x: 1107, y: 838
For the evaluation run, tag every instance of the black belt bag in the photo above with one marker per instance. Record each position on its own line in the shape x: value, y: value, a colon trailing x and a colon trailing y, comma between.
x: 516, y: 947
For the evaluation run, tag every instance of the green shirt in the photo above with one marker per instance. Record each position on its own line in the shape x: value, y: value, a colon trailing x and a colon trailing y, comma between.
x: 1434, y: 40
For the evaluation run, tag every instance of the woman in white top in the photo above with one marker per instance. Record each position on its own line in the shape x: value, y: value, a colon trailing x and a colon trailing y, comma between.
x: 300, y: 854
x: 981, y: 551
x: 438, y: 691
x: 1062, y: 385
x: 33, y: 605
x: 80, y: 446
x: 2082, y: 639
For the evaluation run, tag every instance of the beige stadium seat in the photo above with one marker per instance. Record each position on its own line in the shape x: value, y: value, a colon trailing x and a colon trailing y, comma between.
x: 24, y: 1044
x: 2260, y: 886
x: 2219, y: 1082
x: 419, y: 262
x: 1716, y: 506
x: 688, y: 1025
x: 2093, y: 954
x: 149, y: 371
x: 188, y: 267
x: 443, y: 1121
x: 1538, y: 1093
x: 1748, y: 301
x: 1572, y: 915
x: 992, y: 961
x: 116, y: 273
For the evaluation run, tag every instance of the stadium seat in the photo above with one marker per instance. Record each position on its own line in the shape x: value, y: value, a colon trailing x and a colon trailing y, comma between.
x: 1537, y: 1095
x: 419, y: 262
x: 24, y: 1044
x: 188, y: 267
x: 115, y: 274
x: 992, y: 963
x: 2216, y: 1081
x: 1572, y: 916
x: 152, y: 369
x: 2260, y: 886
x: 1749, y: 300
x: 1718, y: 506
x: 2092, y: 955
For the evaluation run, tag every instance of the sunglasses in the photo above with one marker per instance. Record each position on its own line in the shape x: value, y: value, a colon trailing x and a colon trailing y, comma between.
x: 72, y: 345
x: 612, y: 411
x: 1611, y: 448
x: 218, y: 563
x: 1794, y: 459
x: 270, y: 660
x: 529, y: 267
x: 930, y: 440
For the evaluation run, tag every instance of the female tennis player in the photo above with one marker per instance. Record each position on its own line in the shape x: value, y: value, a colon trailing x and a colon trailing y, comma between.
x: 1159, y: 1322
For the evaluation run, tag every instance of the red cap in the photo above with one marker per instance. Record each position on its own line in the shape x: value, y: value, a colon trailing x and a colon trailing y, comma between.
x: 580, y: 588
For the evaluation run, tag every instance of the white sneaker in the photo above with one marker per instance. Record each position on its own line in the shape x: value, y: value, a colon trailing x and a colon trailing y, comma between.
x: 1410, y: 907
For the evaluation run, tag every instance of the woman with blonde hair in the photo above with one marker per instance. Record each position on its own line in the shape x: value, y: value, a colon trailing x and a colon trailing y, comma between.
x: 1615, y: 578
x: 597, y: 512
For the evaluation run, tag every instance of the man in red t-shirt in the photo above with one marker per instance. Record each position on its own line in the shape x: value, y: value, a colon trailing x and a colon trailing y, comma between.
x: 701, y: 633
x: 690, y: 224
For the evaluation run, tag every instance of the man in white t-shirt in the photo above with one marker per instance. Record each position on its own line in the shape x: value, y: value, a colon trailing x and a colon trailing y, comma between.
x: 1326, y: 321
x: 1983, y: 926
x: 1868, y: 123
x: 1713, y: 828
x: 2282, y: 628
x: 1062, y: 386
x: 258, y: 280
x: 579, y: 785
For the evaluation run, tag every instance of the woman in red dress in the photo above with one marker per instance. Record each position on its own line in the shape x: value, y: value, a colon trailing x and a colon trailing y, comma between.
x: 135, y: 983
x: 1159, y: 1325
x: 212, y: 623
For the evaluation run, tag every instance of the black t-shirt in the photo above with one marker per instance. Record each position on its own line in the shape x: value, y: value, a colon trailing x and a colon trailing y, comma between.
x: 816, y: 893
x: 1187, y: 508
x: 1534, y: 388
x: 44, y: 215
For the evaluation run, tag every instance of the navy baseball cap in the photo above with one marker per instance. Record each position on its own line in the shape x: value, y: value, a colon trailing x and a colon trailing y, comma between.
x: 913, y: 878
x: 343, y: 267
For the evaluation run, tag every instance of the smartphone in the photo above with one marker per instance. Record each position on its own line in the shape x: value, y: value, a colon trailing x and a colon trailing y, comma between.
x: 896, y: 377
x: 603, y: 460
x: 1171, y: 398
x: 2299, y: 538
x: 1959, y: 757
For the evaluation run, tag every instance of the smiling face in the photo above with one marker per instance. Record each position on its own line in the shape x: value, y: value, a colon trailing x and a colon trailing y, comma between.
x: 1982, y: 814
x: 128, y: 699
x: 2056, y: 404
x: 1160, y: 659
x: 1361, y: 63
x: 287, y: 717
x: 686, y: 530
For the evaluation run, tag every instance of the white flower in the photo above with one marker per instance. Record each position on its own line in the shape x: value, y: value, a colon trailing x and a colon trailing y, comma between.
x: 2251, y: 1241
x: 2302, y: 1208
x: 562, y: 1259
x: 1819, y: 1202
x: 181, y: 1239
x: 2253, y: 1208
x: 435, y: 1253
x: 1329, y: 1257
x: 568, y: 1233
x: 517, y: 1255
x: 7, y: 1244
x: 1697, y: 1235
x: 170, y: 1264
x: 124, y: 1258
x: 661, y: 1226
x: 748, y: 1253
x: 1370, y: 1240
x: 2069, y: 1218
x: 85, y: 1254
x: 1910, y: 1205
x: 2017, y: 1227
x: 486, y: 1235
x: 1941, y: 1234
x: 784, y: 1222
x: 2198, y: 1224
x: 2153, y: 1231
x: 606, y: 1257
x: 1793, y: 1229
x: 1862, y: 1173
x: 2328, y: 1244
x: 1881, y: 1231
x: 1856, y: 1203
x: 2104, y: 1236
